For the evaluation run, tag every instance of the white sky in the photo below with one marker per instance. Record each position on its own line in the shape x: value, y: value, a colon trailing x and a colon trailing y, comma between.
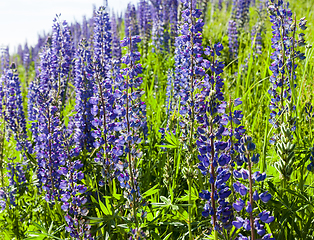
x: 23, y: 20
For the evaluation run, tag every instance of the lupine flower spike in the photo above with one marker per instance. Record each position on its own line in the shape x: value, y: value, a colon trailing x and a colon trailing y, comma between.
x: 256, y: 220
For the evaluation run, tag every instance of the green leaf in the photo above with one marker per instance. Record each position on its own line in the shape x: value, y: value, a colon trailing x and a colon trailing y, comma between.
x: 151, y: 191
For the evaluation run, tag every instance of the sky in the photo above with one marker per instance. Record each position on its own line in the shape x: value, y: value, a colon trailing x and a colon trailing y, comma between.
x: 23, y: 20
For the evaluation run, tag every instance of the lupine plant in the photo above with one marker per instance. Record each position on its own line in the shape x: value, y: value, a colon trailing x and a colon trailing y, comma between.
x: 188, y: 73
x: 214, y: 158
x: 283, y: 80
x: 134, y: 122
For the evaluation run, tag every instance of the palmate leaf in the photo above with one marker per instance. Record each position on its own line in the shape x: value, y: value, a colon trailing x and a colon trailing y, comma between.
x: 43, y: 232
x: 172, y: 141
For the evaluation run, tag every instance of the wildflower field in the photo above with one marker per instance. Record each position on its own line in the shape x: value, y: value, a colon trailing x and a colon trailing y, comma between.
x: 180, y: 119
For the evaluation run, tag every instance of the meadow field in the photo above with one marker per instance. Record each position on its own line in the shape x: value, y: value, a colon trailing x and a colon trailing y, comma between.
x: 178, y: 119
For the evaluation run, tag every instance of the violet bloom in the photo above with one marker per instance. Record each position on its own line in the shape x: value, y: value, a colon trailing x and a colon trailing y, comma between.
x: 61, y: 59
x: 173, y: 20
x: 130, y: 20
x: 4, y: 59
x: 283, y: 78
x: 26, y: 57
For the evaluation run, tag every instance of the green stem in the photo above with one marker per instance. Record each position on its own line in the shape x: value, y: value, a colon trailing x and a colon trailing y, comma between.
x: 251, y: 196
x: 215, y: 235
x: 190, y: 208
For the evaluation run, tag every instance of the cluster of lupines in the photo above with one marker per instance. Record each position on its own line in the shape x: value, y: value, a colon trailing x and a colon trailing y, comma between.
x: 283, y: 66
x: 256, y: 219
x: 165, y: 20
x: 190, y: 75
x: 233, y: 39
x: 63, y: 53
x: 283, y: 78
x: 187, y: 73
x: 25, y: 56
x: 258, y: 28
x: 130, y: 22
x: 239, y: 20
x: 58, y: 175
x: 117, y: 121
x: 173, y: 20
